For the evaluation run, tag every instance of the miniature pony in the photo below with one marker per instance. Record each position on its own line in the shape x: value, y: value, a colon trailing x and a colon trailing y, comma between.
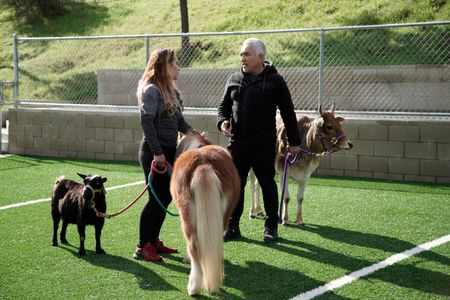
x: 205, y: 187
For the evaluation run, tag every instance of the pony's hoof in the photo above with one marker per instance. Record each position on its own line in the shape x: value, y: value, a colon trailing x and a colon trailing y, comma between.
x: 193, y: 290
x: 187, y: 260
x: 193, y: 293
x: 301, y: 225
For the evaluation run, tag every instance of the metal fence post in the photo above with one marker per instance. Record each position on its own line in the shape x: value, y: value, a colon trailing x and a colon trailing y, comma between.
x: 1, y: 129
x: 147, y: 49
x: 1, y: 117
x: 1, y: 92
x: 16, y: 72
x: 321, y: 83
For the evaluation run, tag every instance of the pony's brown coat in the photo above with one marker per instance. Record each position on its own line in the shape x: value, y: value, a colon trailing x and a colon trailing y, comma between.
x: 205, y: 186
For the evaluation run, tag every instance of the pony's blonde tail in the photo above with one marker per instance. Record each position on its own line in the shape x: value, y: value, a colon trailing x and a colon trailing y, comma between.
x: 208, y: 220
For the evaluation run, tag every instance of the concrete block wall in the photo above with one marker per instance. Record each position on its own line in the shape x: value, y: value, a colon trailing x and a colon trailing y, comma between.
x: 76, y: 134
x: 403, y: 88
x: 398, y: 150
x: 383, y: 149
x: 199, y: 86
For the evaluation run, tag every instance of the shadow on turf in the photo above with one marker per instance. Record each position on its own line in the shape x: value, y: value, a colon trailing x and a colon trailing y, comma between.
x: 370, y: 240
x: 28, y: 161
x: 414, y: 187
x: 16, y: 162
x: 259, y: 280
x: 401, y: 274
x: 146, y: 277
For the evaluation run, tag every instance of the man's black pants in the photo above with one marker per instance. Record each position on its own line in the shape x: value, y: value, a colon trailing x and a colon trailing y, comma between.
x: 262, y: 160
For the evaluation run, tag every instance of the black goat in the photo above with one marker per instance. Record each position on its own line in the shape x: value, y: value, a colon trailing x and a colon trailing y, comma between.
x: 79, y: 204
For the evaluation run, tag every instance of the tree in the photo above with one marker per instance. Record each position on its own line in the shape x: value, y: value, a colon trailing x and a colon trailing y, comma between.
x: 185, y: 45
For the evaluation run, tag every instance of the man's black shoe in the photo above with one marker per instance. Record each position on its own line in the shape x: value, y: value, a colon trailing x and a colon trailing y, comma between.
x: 270, y: 235
x: 231, y: 233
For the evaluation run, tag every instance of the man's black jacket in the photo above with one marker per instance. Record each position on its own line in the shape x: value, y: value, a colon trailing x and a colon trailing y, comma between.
x: 250, y: 104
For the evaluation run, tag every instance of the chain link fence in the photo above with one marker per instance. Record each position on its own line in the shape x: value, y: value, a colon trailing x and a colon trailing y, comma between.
x: 6, y: 92
x: 400, y: 69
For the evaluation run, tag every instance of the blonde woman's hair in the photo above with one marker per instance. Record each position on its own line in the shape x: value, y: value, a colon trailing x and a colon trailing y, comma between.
x: 156, y: 72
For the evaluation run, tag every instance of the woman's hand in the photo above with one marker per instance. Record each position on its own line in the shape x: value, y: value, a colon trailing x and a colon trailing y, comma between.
x: 160, y: 160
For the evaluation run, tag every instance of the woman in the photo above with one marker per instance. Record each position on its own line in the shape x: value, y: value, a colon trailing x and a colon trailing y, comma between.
x: 161, y: 119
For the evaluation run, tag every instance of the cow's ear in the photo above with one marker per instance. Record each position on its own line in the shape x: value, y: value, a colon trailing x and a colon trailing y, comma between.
x: 104, y: 179
x: 81, y: 175
x: 319, y: 122
x: 340, y: 119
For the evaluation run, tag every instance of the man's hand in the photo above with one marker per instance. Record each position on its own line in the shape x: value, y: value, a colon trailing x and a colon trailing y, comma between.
x: 225, y: 128
x: 294, y: 149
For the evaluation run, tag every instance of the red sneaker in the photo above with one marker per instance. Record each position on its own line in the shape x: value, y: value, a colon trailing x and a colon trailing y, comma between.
x: 147, y: 253
x: 160, y: 248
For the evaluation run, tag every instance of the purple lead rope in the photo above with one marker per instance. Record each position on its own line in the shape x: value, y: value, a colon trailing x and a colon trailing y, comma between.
x: 283, y: 186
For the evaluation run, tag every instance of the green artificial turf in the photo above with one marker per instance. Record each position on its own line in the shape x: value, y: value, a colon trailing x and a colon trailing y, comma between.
x: 350, y: 224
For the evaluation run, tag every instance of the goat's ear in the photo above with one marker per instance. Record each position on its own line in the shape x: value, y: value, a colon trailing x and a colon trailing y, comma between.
x: 104, y: 179
x: 81, y: 175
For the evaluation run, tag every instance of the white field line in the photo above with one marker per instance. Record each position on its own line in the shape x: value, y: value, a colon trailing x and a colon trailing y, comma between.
x: 48, y: 199
x: 371, y: 269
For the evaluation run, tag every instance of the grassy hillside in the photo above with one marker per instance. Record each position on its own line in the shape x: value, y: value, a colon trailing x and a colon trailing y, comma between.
x: 103, y: 17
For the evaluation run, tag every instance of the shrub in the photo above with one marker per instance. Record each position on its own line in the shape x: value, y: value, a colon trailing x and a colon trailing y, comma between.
x: 32, y: 10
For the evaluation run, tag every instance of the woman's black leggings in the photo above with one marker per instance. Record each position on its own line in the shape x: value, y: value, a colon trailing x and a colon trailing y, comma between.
x: 152, y: 215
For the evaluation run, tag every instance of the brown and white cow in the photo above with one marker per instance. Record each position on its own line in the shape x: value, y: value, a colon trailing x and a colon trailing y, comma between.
x: 321, y: 136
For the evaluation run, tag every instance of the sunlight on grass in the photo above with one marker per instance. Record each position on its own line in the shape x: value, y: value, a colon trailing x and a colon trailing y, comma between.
x: 351, y: 224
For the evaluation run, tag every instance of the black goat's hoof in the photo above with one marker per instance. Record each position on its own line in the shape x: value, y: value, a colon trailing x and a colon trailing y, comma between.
x: 100, y: 251
x: 54, y: 244
x: 81, y: 253
x: 64, y: 241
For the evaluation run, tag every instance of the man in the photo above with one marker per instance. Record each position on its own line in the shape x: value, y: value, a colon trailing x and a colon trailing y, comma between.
x: 247, y: 115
